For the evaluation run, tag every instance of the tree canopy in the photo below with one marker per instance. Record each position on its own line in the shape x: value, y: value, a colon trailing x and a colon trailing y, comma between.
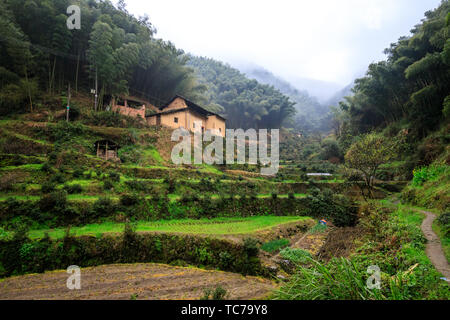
x: 37, y: 48
x: 246, y: 103
x: 412, y: 84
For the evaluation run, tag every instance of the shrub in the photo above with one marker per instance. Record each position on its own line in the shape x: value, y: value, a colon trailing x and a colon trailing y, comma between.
x: 53, y: 156
x: 112, y: 119
x: 58, y: 178
x: 48, y: 187
x: 225, y: 260
x: 88, y: 175
x: 114, y: 176
x: 129, y: 200
x: 444, y: 221
x: 46, y: 167
x: 217, y: 294
x: 64, y: 131
x: 73, y: 188
x: 136, y: 185
x: 54, y: 202
x: 130, y: 154
x: 251, y: 247
x: 426, y: 174
x: 103, y: 207
x: 170, y: 184
x: 108, y: 185
x: 327, y: 204
x: 78, y: 173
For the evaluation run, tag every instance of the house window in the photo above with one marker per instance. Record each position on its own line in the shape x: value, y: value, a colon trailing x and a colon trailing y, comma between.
x: 193, y: 125
x: 175, y: 120
x: 220, y: 130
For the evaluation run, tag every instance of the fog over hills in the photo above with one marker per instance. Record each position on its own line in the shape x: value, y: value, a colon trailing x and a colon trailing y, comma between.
x: 322, y: 91
x: 312, y: 112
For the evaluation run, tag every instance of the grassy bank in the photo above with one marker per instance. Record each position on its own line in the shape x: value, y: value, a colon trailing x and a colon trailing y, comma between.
x: 393, y: 242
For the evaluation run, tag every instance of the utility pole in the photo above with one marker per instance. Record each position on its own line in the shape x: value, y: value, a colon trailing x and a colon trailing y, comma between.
x: 96, y: 89
x: 68, y: 106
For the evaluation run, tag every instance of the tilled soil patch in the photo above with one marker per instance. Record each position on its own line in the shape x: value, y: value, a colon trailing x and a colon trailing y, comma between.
x: 141, y: 281
x: 340, y: 242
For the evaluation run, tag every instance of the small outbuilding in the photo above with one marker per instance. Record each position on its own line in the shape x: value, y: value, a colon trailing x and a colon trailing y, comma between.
x: 107, y: 150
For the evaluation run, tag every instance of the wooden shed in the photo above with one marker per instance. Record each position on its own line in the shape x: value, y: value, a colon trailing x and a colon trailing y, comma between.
x: 107, y: 150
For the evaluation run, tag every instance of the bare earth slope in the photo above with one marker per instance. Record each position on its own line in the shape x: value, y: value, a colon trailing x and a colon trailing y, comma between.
x: 143, y: 281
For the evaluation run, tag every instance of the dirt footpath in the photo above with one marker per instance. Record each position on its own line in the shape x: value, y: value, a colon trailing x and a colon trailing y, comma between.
x: 434, y: 248
x: 141, y: 281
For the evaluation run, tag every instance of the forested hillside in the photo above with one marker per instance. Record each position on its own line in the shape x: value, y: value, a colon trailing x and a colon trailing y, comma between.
x: 39, y: 55
x: 312, y: 116
x: 412, y: 86
x: 123, y: 53
x: 245, y: 102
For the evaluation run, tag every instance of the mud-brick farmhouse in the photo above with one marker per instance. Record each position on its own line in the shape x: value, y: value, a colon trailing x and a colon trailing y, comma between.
x: 182, y: 113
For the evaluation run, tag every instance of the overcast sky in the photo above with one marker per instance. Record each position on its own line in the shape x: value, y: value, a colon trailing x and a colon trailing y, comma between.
x: 329, y: 40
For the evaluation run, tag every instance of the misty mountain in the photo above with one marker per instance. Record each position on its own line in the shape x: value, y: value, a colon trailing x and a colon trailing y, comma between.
x: 339, y: 96
x: 322, y: 90
x: 311, y: 114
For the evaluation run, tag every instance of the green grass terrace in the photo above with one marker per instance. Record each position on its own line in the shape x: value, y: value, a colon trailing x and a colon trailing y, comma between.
x: 218, y: 226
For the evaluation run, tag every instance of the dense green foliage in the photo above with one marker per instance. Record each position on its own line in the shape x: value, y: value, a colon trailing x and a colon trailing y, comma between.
x: 393, y: 242
x: 21, y: 255
x: 245, y: 103
x: 39, y: 53
x: 411, y: 85
x: 311, y: 116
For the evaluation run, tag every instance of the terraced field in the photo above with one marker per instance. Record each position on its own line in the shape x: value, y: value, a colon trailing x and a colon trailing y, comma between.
x: 219, y: 226
x: 139, y: 281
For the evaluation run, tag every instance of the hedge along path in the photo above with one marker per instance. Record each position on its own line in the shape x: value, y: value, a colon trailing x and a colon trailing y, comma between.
x: 434, y: 248
x: 141, y: 281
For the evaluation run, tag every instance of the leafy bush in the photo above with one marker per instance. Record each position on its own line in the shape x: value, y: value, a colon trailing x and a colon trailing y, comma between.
x: 114, y: 176
x: 217, y: 294
x: 171, y: 184
x: 108, y: 185
x: 444, y: 221
x: 137, y: 185
x: 73, y: 188
x: 251, y: 247
x: 332, y: 206
x: 103, y: 207
x: 129, y: 200
x: 46, y: 167
x: 426, y: 174
x: 112, y: 119
x: 63, y: 131
x: 58, y: 178
x: 130, y: 154
x: 54, y: 202
x: 78, y: 173
x: 48, y: 187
